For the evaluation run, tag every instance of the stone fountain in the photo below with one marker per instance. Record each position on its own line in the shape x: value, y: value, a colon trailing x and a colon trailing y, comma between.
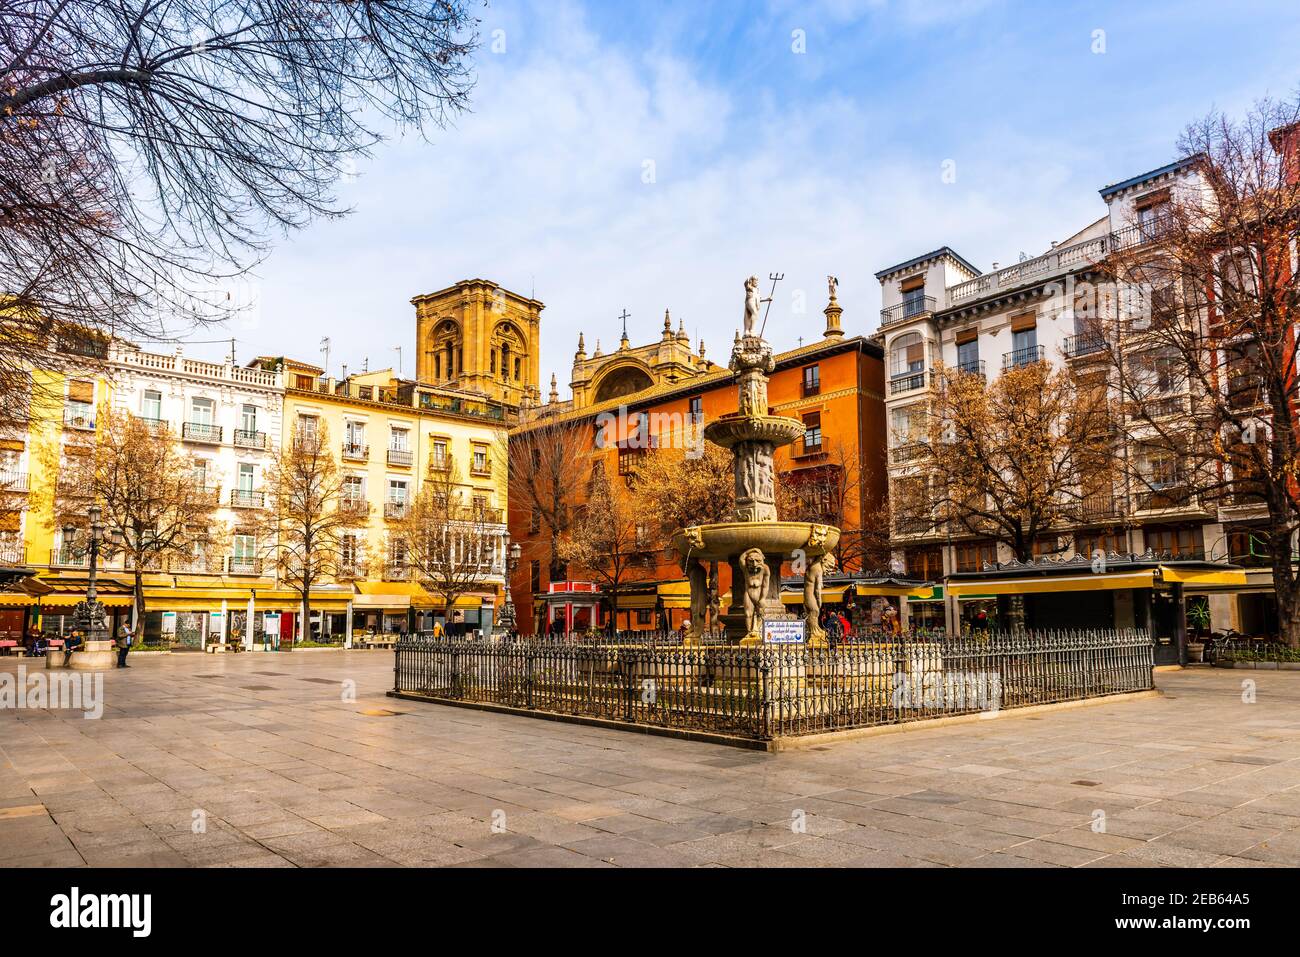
x: 754, y: 543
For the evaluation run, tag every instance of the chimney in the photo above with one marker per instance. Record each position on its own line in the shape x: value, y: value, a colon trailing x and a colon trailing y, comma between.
x: 1286, y: 143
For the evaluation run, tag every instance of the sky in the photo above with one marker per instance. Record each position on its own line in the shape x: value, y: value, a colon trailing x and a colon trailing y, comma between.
x: 650, y: 156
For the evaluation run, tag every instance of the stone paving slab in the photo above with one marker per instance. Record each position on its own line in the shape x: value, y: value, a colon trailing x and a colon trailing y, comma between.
x: 285, y: 769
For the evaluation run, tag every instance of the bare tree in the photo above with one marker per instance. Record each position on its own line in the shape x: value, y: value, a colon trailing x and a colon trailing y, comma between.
x: 153, y: 502
x: 676, y: 489
x: 1203, y: 345
x: 1010, y: 461
x: 547, y: 461
x: 148, y: 151
x: 831, y: 493
x: 449, y: 543
x: 609, y: 539
x: 306, y: 512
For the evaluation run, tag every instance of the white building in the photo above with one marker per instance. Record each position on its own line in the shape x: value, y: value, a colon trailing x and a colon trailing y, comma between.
x: 939, y: 307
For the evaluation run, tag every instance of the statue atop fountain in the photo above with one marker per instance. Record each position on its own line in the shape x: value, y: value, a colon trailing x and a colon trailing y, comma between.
x: 754, y: 543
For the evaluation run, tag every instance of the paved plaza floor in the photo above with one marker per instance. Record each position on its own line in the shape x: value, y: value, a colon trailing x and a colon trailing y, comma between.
x: 266, y: 760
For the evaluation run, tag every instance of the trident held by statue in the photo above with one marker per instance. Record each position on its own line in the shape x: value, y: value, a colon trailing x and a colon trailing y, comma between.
x: 776, y: 277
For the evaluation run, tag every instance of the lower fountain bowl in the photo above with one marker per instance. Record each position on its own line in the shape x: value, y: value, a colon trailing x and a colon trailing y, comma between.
x: 726, y: 540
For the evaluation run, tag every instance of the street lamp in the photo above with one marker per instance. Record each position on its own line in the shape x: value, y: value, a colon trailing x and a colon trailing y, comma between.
x: 513, y: 551
x: 89, y: 614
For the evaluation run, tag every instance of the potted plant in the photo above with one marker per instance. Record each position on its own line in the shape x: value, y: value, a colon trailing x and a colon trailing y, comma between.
x: 1198, y: 617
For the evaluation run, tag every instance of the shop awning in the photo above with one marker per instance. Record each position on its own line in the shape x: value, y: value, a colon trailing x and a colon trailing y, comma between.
x: 1039, y: 584
x: 1203, y: 576
x: 68, y: 601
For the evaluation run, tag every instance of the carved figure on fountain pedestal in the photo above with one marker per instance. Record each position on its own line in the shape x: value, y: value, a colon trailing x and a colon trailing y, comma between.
x: 758, y: 579
x: 813, y: 579
x: 698, y: 577
x: 751, y: 304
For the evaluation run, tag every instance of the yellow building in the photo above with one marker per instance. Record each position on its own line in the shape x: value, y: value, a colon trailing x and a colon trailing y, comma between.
x: 388, y: 436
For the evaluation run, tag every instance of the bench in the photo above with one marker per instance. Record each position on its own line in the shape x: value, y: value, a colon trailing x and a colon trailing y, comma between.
x: 215, y: 648
x: 10, y: 647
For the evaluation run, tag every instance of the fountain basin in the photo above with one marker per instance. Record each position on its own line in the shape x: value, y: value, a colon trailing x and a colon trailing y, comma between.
x: 776, y: 429
x: 727, y: 540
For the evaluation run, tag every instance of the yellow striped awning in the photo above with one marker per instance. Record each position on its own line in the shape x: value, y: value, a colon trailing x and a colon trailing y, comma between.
x: 1055, y: 583
x: 67, y: 601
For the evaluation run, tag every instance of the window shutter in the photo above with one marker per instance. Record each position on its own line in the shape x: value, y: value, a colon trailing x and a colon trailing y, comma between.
x: 908, y: 285
x: 916, y: 353
x: 968, y: 335
x: 81, y: 391
x: 1021, y: 323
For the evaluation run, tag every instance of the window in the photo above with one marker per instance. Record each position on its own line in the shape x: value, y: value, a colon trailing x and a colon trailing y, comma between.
x: 245, y: 477
x: 925, y: 564
x: 907, y: 424
x: 968, y: 356
x: 439, y: 458
x: 480, y: 461
x: 1024, y: 339
x: 812, y: 380
x: 354, y: 437
x: 201, y: 473
x: 400, y: 440
x: 245, y: 546
x: 973, y: 556
x: 354, y: 490
x: 1178, y: 541
x: 397, y: 491
x: 517, y: 367
x: 535, y: 575
x: 308, y: 429
x: 913, y: 302
x: 697, y: 408
x: 151, y: 405
x: 248, y: 418
x: 644, y: 616
x: 1109, y: 543
x: 907, y: 355
x: 202, y: 411
x: 812, y: 437
x: 349, y: 552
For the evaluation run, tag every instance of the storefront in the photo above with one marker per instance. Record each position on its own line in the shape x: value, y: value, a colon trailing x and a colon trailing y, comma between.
x: 861, y: 598
x: 568, y: 607
x: 1131, y: 592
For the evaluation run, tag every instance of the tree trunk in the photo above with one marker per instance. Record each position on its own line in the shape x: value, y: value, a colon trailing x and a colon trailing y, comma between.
x: 137, y: 598
x: 304, y: 624
x: 1288, y: 600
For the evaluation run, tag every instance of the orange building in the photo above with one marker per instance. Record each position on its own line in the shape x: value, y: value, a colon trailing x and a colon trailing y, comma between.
x: 835, y: 386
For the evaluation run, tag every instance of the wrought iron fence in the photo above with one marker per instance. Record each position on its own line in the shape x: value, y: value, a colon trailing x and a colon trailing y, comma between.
x: 770, y: 691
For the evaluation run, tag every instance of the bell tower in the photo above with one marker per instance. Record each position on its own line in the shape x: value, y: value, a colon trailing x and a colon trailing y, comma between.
x: 480, y: 337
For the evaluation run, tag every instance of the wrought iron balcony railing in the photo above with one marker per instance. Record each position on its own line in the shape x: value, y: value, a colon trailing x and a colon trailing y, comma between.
x: 243, y: 565
x: 972, y: 367
x: 201, y: 432
x: 908, y: 382
x: 1019, y: 358
x: 356, y: 451
x: 13, y: 482
x: 247, y: 439
x: 247, y: 498
x: 400, y: 457
x: 395, y: 510
x: 907, y: 309
x: 1084, y: 344
x: 78, y: 419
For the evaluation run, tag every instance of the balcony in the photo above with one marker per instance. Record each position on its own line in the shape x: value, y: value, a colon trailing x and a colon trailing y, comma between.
x: 194, y: 565
x: 79, y: 419
x: 201, y: 432
x: 397, y: 572
x: 481, y: 470
x: 1098, y: 507
x: 152, y: 423
x: 246, y: 498
x: 1019, y: 358
x: 1084, y: 344
x: 400, y: 457
x: 908, y: 452
x: 13, y: 482
x: 12, y: 553
x: 908, y: 309
x: 350, y: 571
x: 356, y: 452
x: 1176, y: 496
x: 908, y: 382
x: 246, y: 439
x: 1140, y: 233
x: 354, y: 505
x: 243, y: 565
x: 482, y: 515
x: 440, y: 463
x: 395, y: 511
x: 67, y: 558
x: 973, y: 367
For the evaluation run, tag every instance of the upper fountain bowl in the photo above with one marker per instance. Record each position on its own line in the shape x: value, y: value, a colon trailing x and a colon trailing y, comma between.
x: 734, y: 428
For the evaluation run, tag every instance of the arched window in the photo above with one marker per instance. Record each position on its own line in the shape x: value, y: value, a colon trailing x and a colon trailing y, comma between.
x: 907, y: 355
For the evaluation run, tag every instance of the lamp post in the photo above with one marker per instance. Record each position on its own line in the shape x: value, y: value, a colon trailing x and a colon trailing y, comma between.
x: 89, y: 613
x: 513, y: 551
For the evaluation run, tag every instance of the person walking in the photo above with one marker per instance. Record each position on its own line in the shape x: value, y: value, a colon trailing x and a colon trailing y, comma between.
x: 124, y: 641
